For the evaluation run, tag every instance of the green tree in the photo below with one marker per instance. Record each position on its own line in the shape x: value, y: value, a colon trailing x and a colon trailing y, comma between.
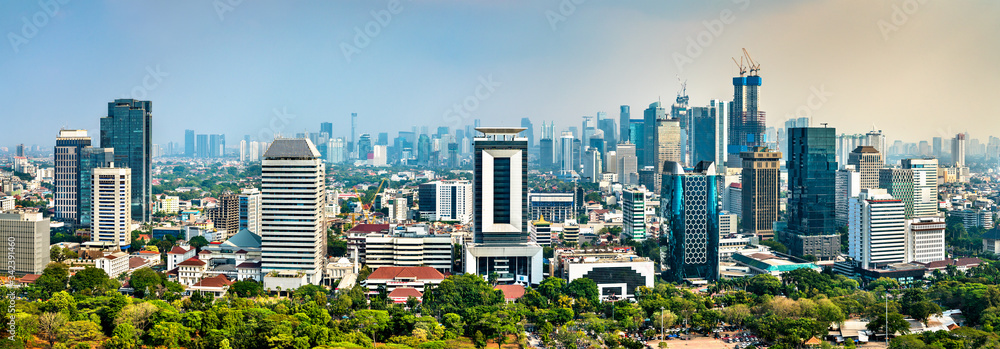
x: 81, y: 331
x: 896, y: 324
x: 53, y: 279
x: 583, y: 288
x: 336, y: 247
x: 169, y: 334
x: 90, y: 280
x: 764, y: 284
x: 49, y: 325
x: 775, y: 246
x: 144, y: 279
x: 552, y: 288
x: 247, y: 288
x: 198, y: 242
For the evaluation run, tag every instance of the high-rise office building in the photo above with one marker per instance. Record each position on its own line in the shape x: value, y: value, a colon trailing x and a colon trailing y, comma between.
x: 958, y: 150
x: 364, y: 146
x: 876, y: 229
x: 203, y: 149
x: 354, y: 133
x: 529, y: 131
x: 111, y: 200
x: 761, y: 182
x: 90, y: 158
x: 925, y: 185
x: 592, y: 165
x: 326, y: 127
x: 217, y: 145
x: 812, y: 166
x: 128, y: 129
x: 250, y: 210
x: 559, y: 207
x: 634, y: 214
x: 623, y: 123
x: 226, y: 214
x: 500, y: 230
x: 335, y: 150
x: 867, y: 161
x: 690, y: 204
x: 925, y: 241
x: 20, y: 150
x: 446, y: 201
x: 898, y: 182
x: 707, y: 133
x: 546, y: 154
x: 609, y: 130
x: 648, y: 149
x: 936, y: 147
x: 876, y: 139
x: 424, y: 150
x: 628, y: 166
x: 567, y: 165
x: 28, y: 236
x: 848, y: 186
x: 189, y: 147
x: 746, y: 121
x: 668, y: 142
x: 67, y: 153
x: 293, y: 232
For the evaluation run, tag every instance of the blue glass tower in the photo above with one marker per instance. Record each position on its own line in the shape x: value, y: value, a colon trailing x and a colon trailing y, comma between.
x: 128, y: 130
x: 690, y: 202
x: 812, y: 166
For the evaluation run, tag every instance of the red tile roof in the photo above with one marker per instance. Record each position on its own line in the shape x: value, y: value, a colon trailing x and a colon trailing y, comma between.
x: 215, y: 281
x: 406, y: 293
x: 29, y: 278
x: 419, y: 273
x: 511, y: 292
x: 147, y: 252
x: 195, y: 262
x: 369, y: 228
x: 249, y: 265
x: 204, y: 252
x: 178, y: 250
x: 136, y: 262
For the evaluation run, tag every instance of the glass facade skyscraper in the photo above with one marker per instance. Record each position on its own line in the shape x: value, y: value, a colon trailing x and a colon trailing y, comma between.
x: 69, y: 146
x: 128, y: 130
x: 690, y: 202
x: 91, y: 158
x: 812, y: 166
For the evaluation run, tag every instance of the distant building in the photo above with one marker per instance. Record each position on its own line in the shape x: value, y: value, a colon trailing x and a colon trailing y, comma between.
x: 728, y: 223
x: 634, y: 211
x: 557, y: 206
x: 925, y: 185
x: 848, y: 186
x: 28, y: 241
x: 446, y: 201
x: 867, y: 161
x: 226, y: 215
x: 974, y: 218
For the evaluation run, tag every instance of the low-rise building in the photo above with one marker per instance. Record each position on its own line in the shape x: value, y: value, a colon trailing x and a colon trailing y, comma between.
x: 771, y: 263
x: 191, y: 271
x: 114, y: 264
x: 392, y: 278
x: 541, y: 231
x: 617, y: 275
x: 179, y: 253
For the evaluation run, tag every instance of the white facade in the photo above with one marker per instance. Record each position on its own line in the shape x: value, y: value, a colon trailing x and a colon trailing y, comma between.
x: 592, y: 167
x: 877, y: 229
x: 452, y: 201
x: 925, y: 239
x: 634, y: 218
x: 541, y: 232
x: 293, y: 231
x: 112, y: 202
x: 595, y: 269
x: 409, y: 251
x: 925, y: 185
x: 628, y: 165
x: 113, y: 264
x: 379, y: 156
x: 179, y: 254
x: 728, y: 223
x: 848, y: 185
x: 27, y: 237
x: 250, y: 209
x: 6, y: 203
x: 400, y: 210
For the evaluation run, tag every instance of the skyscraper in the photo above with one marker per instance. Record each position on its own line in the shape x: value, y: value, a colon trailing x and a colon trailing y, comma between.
x: 546, y: 152
x: 293, y: 197
x: 250, y: 213
x: 628, y: 164
x: 898, y: 182
x: 28, y: 234
x: 189, y: 147
x: 500, y: 230
x: 707, y: 128
x: 20, y: 150
x: 925, y: 185
x: 354, y: 133
x: 424, y: 150
x: 936, y: 147
x: 690, y: 204
x: 567, y: 163
x: 203, y: 148
x: 634, y: 214
x: 364, y: 146
x: 610, y: 131
x: 867, y: 161
x: 623, y: 123
x: 111, y: 198
x: 90, y: 158
x: 67, y: 153
x: 876, y: 229
x: 812, y: 166
x: 326, y: 127
x: 958, y: 150
x: 128, y: 129
x: 217, y: 145
x: 529, y: 131
x: 746, y: 121
x: 761, y: 183
x: 848, y: 186
x: 648, y: 149
x: 668, y: 142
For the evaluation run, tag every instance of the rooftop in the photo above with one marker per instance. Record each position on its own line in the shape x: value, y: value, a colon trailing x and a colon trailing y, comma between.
x: 419, y: 273
x: 292, y: 148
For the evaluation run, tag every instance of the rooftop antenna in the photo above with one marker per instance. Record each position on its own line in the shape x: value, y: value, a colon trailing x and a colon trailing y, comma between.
x: 739, y: 64
x: 824, y: 124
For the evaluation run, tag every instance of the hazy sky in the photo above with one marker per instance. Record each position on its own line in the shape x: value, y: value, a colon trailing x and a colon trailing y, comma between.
x: 915, y: 69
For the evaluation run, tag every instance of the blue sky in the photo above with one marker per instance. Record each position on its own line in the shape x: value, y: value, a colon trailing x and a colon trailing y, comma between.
x: 853, y: 64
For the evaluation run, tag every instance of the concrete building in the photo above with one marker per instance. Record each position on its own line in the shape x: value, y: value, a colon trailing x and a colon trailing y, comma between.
x: 634, y: 214
x: 616, y: 275
x: 628, y: 166
x: 761, y: 183
x: 293, y: 231
x: 974, y: 218
x: 446, y: 201
x: 392, y: 278
x: 898, y: 182
x: 690, y: 204
x: 558, y: 207
x: 226, y: 214
x: 925, y: 185
x: 848, y: 186
x: 26, y: 234
x: 925, y: 239
x: 67, y: 153
x: 168, y: 204
x: 541, y: 231
x: 867, y: 161
x: 112, y: 200
x: 500, y: 231
x: 728, y: 223
x: 877, y: 229
x: 249, y: 207
x: 114, y: 264
x: 958, y: 150
x: 409, y: 249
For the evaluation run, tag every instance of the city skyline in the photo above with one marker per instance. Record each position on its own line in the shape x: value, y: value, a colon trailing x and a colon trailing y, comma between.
x: 233, y: 63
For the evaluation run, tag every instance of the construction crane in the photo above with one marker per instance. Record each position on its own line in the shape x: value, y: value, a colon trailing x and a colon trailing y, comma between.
x: 739, y: 64
x: 684, y: 85
x: 754, y: 67
x: 366, y: 207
